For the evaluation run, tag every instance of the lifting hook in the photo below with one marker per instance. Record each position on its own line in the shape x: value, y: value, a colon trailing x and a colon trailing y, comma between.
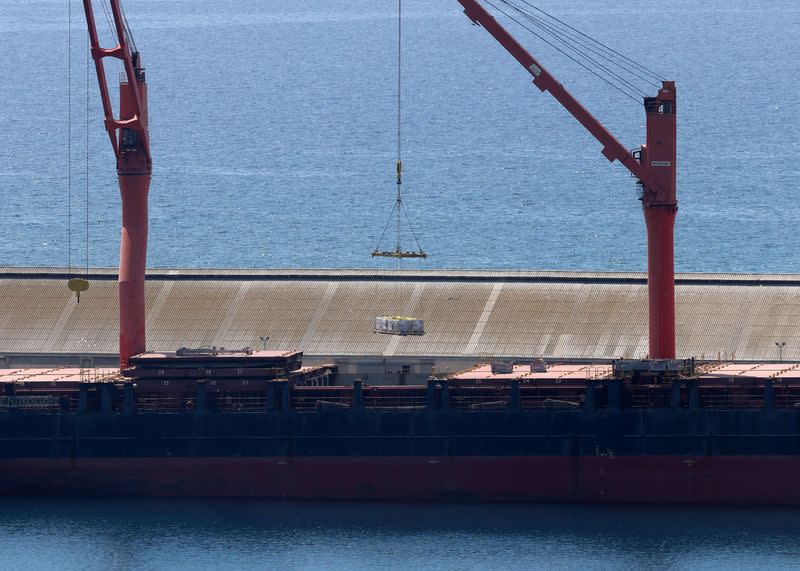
x: 78, y: 285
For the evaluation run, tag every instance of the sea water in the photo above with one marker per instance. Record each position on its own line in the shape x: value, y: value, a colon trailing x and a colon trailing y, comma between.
x: 180, y: 534
x: 273, y: 130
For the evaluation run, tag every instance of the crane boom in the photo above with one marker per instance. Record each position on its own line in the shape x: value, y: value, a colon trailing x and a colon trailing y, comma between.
x: 655, y: 169
x: 131, y: 144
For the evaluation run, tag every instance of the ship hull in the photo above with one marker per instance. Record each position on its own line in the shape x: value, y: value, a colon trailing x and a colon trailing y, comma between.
x: 721, y: 480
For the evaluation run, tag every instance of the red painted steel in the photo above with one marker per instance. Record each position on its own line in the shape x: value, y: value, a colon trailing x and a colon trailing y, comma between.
x: 655, y: 169
x: 132, y: 263
x: 659, y: 200
x: 605, y: 478
x: 660, y: 221
x: 130, y: 141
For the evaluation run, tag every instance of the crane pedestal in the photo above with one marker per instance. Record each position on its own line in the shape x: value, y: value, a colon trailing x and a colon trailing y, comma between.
x: 660, y: 222
x: 132, y: 262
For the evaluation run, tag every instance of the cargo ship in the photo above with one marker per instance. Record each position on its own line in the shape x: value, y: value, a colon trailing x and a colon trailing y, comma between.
x: 216, y: 422
x: 211, y: 423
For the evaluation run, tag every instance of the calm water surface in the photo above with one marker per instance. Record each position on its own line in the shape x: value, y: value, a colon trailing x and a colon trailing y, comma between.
x: 247, y: 535
x: 272, y: 127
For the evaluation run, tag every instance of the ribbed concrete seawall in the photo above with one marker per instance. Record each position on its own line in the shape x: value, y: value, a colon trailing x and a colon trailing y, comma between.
x: 469, y: 315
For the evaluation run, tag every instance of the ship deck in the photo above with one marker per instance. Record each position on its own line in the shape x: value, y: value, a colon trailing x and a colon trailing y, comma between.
x: 311, y: 388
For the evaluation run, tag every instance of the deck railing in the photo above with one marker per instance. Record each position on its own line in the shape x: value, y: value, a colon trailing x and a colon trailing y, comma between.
x: 439, y: 395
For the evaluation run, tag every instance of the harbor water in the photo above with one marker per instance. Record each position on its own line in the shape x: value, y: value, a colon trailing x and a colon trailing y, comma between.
x: 273, y: 136
x: 102, y: 535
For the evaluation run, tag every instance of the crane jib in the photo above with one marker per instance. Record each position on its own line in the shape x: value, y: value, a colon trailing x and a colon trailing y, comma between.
x: 130, y: 141
x: 654, y: 166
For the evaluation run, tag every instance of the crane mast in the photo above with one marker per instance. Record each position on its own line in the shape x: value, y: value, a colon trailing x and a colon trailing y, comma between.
x: 654, y: 168
x: 131, y: 144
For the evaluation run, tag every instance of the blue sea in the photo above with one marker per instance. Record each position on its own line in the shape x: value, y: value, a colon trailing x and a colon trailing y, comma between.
x: 273, y: 129
x: 88, y: 535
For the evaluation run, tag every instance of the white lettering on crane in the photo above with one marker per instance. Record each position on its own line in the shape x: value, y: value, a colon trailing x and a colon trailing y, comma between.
x: 535, y: 70
x: 660, y: 163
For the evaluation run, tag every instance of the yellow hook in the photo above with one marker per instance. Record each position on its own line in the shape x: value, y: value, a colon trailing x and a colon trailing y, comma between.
x: 78, y: 285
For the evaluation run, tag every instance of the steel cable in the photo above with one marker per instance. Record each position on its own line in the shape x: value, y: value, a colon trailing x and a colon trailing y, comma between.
x: 108, y: 20
x: 583, y: 65
x: 399, y: 114
x: 398, y: 208
x: 69, y: 137
x: 561, y: 38
x: 410, y: 226
x: 645, y: 69
x: 88, y: 50
x: 385, y: 228
x: 128, y: 29
x: 399, y: 73
x: 566, y: 37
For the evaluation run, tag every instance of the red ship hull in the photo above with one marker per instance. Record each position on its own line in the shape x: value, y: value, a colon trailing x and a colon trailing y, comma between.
x: 729, y: 480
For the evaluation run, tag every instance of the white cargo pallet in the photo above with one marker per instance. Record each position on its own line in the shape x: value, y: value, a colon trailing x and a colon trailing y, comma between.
x: 399, y: 325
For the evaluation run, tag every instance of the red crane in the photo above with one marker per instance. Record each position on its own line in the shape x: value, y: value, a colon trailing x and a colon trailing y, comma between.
x: 131, y: 144
x: 654, y: 168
